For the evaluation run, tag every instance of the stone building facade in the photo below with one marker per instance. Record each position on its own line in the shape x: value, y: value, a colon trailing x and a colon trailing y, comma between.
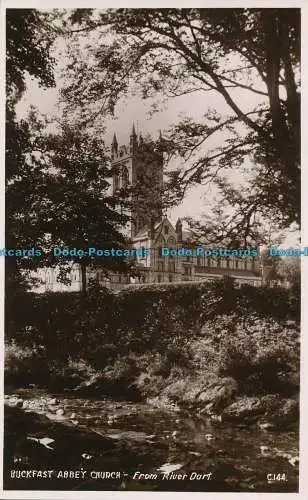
x: 139, y: 165
x: 138, y: 170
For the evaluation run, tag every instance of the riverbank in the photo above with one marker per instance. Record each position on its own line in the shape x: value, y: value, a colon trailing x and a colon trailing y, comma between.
x: 196, y: 389
x: 243, y: 370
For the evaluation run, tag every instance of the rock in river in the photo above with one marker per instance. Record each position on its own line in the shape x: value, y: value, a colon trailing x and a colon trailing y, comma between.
x: 245, y: 409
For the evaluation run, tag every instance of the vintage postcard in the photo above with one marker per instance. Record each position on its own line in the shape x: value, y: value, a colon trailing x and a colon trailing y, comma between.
x: 153, y: 338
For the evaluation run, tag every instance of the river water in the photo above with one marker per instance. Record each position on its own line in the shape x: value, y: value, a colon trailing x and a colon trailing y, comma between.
x: 202, y: 454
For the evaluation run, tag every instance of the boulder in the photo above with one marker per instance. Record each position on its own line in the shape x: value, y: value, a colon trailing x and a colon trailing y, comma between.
x: 271, y: 402
x: 219, y: 394
x: 286, y: 414
x: 244, y: 410
x: 14, y: 401
x: 271, y: 411
x: 176, y: 390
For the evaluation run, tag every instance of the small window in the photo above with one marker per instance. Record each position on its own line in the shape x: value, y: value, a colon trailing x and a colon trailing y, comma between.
x: 166, y: 230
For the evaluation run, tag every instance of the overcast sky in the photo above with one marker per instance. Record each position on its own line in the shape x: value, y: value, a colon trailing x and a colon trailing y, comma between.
x: 135, y: 110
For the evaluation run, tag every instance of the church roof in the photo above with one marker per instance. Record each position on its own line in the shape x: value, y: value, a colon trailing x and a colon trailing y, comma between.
x: 144, y: 232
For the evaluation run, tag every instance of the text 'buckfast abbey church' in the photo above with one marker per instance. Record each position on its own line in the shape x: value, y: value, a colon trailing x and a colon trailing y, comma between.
x: 138, y: 168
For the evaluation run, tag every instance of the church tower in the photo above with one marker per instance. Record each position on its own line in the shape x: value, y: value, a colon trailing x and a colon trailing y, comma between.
x: 138, y: 173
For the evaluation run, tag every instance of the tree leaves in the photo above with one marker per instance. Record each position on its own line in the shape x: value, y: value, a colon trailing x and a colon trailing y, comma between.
x: 172, y: 52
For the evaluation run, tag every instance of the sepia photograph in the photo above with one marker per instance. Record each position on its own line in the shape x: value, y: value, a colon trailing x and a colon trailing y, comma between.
x: 152, y: 249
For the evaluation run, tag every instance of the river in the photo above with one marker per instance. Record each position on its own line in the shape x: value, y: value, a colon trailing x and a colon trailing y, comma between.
x: 174, y: 450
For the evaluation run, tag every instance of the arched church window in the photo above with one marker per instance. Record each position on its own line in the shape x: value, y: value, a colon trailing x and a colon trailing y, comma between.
x: 171, y: 267
x: 116, y: 181
x: 160, y: 245
x: 125, y: 177
x: 160, y: 266
x: 141, y: 223
x: 171, y: 242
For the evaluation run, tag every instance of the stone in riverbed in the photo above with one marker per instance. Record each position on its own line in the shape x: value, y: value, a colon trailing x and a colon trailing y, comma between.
x: 270, y: 411
x: 219, y: 393
x: 14, y: 401
x: 245, y: 409
x: 53, y: 401
x: 286, y: 414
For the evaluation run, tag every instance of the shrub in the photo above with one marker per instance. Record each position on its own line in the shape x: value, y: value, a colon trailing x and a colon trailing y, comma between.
x: 165, y: 320
x: 25, y: 365
x: 124, y: 368
x: 179, y: 355
x: 258, y: 354
x: 70, y: 374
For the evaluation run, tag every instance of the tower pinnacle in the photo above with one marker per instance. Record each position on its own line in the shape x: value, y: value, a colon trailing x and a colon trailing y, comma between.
x: 133, y: 133
x: 133, y: 141
x: 114, y: 141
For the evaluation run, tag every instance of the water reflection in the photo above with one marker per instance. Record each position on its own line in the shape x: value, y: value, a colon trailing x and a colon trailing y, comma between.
x: 148, y: 439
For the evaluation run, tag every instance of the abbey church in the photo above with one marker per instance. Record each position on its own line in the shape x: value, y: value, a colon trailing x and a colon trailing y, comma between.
x: 138, y: 168
x: 141, y: 163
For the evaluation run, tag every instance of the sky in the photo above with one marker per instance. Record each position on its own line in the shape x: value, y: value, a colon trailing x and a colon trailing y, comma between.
x: 136, y: 110
x: 129, y: 112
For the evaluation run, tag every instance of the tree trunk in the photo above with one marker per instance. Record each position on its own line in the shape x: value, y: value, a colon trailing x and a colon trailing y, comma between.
x: 293, y: 98
x: 83, y: 278
x: 272, y: 62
